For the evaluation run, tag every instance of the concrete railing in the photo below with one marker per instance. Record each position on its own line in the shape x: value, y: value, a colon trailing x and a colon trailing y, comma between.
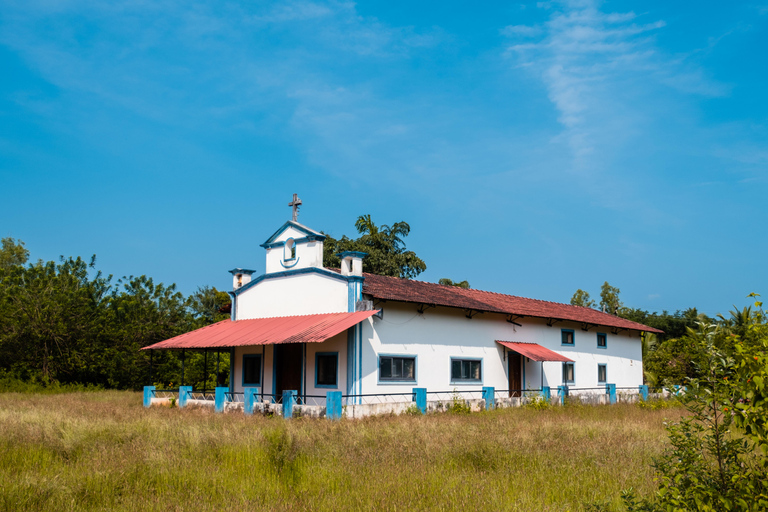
x: 334, y: 405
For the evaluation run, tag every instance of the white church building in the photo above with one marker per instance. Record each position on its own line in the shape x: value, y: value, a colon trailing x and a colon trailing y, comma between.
x: 300, y: 326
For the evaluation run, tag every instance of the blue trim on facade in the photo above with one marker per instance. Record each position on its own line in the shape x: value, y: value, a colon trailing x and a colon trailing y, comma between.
x: 467, y: 381
x: 328, y: 386
x: 310, y: 234
x: 573, y: 338
x: 261, y: 375
x: 231, y: 370
x: 294, y: 260
x: 245, y: 271
x: 522, y: 361
x: 573, y: 380
x: 301, y: 240
x: 303, y: 383
x: 350, y: 362
x: 286, y: 273
x: 274, y: 373
x: 354, y: 254
x: 359, y: 330
x: 351, y: 294
x: 605, y: 376
x: 395, y: 381
x: 233, y: 312
x: 598, y: 340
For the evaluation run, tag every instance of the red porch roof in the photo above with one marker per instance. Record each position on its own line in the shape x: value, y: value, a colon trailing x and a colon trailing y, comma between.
x: 266, y: 331
x: 534, y: 351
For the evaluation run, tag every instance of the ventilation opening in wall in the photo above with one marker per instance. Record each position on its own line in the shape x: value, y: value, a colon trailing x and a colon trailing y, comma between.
x: 290, y: 250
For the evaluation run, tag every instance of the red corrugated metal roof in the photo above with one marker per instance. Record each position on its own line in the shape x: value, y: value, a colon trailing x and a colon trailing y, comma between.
x: 419, y: 292
x: 534, y: 351
x: 266, y: 331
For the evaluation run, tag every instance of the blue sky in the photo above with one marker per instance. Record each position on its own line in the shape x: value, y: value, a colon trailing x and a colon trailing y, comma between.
x: 534, y: 148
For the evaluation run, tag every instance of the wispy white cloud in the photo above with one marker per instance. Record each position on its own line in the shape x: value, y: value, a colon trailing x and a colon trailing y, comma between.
x: 599, y: 69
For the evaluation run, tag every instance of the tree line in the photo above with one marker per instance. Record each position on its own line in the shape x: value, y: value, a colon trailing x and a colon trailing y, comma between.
x: 66, y: 322
x: 670, y: 358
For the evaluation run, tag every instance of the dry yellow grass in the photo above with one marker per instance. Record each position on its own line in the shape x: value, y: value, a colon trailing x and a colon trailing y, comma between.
x: 104, y: 451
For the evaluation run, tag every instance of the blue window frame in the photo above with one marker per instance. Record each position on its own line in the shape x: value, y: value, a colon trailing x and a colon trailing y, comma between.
x: 569, y: 373
x: 251, y: 369
x: 602, y: 340
x: 567, y: 337
x: 397, y: 368
x: 466, y: 370
x: 602, y: 373
x: 327, y: 370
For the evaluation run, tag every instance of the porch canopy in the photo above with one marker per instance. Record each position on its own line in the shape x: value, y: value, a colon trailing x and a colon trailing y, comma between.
x: 534, y: 351
x: 265, y: 331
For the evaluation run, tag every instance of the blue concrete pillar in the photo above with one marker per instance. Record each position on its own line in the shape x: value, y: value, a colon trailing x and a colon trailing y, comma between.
x: 148, y: 394
x: 562, y: 392
x: 489, y: 395
x: 249, y: 398
x: 610, y: 390
x: 644, y: 392
x: 546, y: 393
x: 420, y: 397
x: 184, y: 392
x: 289, y: 400
x: 220, y: 397
x: 333, y: 405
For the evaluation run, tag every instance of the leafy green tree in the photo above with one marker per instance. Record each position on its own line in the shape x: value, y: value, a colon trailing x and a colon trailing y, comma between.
x: 65, y: 322
x: 139, y: 313
x: 718, y: 456
x: 12, y: 253
x: 582, y: 298
x: 208, y: 305
x: 458, y: 284
x: 609, y: 299
x: 384, y: 246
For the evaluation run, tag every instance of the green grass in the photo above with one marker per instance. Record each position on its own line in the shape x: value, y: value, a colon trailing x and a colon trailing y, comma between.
x: 104, y: 451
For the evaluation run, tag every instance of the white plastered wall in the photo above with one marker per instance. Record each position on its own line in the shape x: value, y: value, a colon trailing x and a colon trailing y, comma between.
x: 439, y: 334
x: 308, y: 254
x: 301, y: 294
x: 336, y: 344
x: 266, y: 376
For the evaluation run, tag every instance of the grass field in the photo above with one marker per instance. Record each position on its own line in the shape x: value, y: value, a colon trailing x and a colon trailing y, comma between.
x: 104, y: 451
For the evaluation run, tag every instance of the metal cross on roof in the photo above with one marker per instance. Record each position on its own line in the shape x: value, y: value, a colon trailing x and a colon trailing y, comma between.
x: 295, y: 204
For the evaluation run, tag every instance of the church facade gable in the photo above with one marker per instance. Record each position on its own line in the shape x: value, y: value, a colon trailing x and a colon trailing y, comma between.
x: 402, y: 334
x: 293, y: 246
x: 298, y: 292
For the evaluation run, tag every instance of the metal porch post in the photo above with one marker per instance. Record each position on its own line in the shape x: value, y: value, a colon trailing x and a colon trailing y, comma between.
x: 205, y: 373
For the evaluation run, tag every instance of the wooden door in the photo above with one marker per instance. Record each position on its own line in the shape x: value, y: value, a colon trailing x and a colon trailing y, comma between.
x: 288, y: 363
x: 515, y: 372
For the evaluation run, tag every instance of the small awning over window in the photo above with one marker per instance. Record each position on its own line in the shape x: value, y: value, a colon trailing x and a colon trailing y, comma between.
x: 266, y: 331
x: 534, y: 351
